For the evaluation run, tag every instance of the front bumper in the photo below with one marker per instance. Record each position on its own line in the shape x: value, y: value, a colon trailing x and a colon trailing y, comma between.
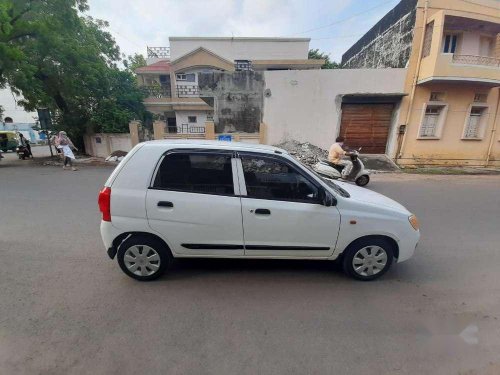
x: 408, y: 247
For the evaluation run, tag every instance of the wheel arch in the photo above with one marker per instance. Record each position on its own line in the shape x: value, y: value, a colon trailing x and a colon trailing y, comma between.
x: 392, y: 242
x: 123, y: 236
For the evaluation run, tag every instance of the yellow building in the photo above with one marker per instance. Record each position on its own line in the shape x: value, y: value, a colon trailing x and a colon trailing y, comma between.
x: 451, y: 114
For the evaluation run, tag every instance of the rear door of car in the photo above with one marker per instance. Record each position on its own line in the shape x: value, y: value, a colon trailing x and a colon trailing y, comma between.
x: 283, y: 215
x: 194, y: 203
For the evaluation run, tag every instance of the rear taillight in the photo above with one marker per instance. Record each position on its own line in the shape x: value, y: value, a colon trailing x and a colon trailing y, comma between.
x: 104, y: 202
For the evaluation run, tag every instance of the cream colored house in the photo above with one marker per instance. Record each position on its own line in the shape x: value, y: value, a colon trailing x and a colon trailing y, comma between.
x: 171, y: 76
x: 450, y: 115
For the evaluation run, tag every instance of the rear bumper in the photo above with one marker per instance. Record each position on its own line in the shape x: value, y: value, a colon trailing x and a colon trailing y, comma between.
x: 108, y: 234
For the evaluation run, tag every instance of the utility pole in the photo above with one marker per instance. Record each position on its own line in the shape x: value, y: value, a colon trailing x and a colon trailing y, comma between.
x: 45, y: 124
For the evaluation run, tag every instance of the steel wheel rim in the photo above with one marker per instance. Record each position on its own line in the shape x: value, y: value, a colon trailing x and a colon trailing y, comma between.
x: 369, y: 260
x: 142, y: 260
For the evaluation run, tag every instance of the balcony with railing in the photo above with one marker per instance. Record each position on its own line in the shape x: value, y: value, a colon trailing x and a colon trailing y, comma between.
x: 476, y: 60
x: 187, y: 91
x: 460, y: 48
x: 158, y: 52
x: 157, y: 91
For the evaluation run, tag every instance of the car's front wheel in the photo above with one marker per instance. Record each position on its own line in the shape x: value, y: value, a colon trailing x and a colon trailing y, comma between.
x: 368, y: 258
x: 143, y: 258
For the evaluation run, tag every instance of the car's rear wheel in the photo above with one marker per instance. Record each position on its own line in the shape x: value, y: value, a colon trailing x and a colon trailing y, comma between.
x: 368, y: 258
x: 143, y: 258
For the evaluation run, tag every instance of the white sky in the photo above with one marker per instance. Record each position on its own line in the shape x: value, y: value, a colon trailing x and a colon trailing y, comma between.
x: 136, y: 24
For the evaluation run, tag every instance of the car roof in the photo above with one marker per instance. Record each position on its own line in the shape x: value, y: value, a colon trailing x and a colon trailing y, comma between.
x: 239, y: 146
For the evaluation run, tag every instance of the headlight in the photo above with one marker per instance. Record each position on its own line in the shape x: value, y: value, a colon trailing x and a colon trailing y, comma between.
x: 414, y: 222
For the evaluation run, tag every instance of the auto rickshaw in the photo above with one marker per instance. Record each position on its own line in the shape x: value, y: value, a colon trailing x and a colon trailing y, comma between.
x: 9, y: 140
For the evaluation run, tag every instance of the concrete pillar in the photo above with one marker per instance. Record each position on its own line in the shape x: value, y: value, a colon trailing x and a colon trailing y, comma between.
x: 209, y: 130
x: 107, y: 139
x: 173, y: 85
x: 497, y: 46
x: 133, y: 127
x: 159, y: 129
x: 262, y: 133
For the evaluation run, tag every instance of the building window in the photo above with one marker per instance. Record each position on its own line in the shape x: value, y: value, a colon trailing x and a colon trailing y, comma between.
x: 432, y: 121
x: 164, y: 79
x: 192, y: 119
x: 450, y: 43
x: 180, y: 77
x: 426, y: 49
x: 474, y: 123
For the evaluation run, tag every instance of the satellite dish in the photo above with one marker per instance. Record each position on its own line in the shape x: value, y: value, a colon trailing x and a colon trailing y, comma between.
x: 267, y: 93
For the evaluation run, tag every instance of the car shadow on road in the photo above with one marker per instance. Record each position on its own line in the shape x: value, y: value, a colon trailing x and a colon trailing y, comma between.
x: 277, y: 269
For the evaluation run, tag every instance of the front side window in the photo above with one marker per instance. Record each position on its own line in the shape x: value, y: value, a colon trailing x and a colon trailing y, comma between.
x: 450, y: 43
x: 192, y: 119
x: 196, y: 173
x: 269, y: 178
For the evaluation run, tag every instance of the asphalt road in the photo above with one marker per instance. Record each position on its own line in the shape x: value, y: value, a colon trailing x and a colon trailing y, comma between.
x: 66, y: 308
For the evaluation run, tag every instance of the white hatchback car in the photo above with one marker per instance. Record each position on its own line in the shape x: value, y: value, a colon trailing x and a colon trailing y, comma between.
x: 208, y: 199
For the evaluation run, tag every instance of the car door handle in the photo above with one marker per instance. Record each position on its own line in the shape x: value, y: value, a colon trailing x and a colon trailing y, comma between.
x: 262, y: 211
x: 165, y: 204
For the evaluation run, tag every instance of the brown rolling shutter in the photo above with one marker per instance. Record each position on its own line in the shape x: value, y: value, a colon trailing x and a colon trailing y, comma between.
x: 367, y: 126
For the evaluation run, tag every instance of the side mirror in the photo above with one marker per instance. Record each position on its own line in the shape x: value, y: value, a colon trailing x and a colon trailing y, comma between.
x: 327, y: 199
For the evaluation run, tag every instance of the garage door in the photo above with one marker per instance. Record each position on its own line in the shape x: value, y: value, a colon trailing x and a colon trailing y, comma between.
x: 367, y: 126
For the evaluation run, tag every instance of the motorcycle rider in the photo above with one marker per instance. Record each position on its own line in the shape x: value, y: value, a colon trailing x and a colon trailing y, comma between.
x: 336, y: 153
x: 24, y: 142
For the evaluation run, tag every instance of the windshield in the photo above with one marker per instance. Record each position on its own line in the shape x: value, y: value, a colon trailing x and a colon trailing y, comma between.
x: 329, y: 182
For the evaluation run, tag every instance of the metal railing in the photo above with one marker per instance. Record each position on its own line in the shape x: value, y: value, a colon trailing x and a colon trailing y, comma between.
x: 187, y: 91
x: 190, y: 129
x: 159, y: 52
x: 476, y: 60
x: 163, y: 91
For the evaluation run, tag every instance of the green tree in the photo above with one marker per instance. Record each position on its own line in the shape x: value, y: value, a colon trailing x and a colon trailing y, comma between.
x: 56, y: 57
x: 133, y: 62
x: 121, y: 103
x: 315, y: 54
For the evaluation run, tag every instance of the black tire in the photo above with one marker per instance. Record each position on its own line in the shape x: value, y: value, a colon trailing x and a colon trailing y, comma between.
x: 363, y: 180
x: 352, y: 250
x: 143, y: 240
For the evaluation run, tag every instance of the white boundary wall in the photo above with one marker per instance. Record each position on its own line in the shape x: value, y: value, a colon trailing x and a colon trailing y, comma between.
x: 305, y: 105
x: 103, y: 144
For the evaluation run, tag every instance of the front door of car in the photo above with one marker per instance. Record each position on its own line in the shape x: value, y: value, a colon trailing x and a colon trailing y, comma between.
x: 194, y: 203
x: 282, y: 210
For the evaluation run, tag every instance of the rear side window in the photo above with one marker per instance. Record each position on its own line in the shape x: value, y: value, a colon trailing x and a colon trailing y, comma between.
x: 268, y: 178
x: 196, y: 173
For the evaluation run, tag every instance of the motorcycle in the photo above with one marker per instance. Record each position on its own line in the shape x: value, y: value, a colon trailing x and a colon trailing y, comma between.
x: 348, y: 171
x: 22, y: 152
